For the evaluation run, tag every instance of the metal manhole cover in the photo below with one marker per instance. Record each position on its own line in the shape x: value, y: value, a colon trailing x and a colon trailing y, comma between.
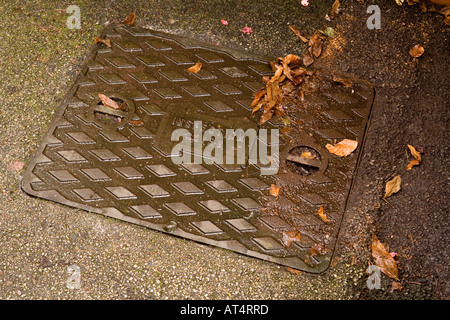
x: 120, y: 163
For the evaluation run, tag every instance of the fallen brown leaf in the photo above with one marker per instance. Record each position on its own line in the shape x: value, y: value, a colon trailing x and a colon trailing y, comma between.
x: 322, y: 214
x: 106, y: 42
x: 195, y: 68
x: 289, y: 237
x: 335, y: 9
x: 130, y: 19
x: 416, y: 51
x: 108, y: 102
x: 417, y: 157
x: 274, y: 190
x: 383, y: 259
x: 392, y: 186
x: 343, y: 148
x: 296, y: 31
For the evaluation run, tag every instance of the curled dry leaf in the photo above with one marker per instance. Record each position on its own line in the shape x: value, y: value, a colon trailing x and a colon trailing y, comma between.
x: 416, y: 51
x: 289, y: 237
x: 130, y: 19
x: 383, y: 259
x: 322, y: 214
x: 106, y: 42
x: 417, y: 157
x: 297, y: 32
x: 392, y: 186
x: 343, y: 148
x: 335, y: 9
x: 108, y: 102
x: 195, y: 68
x: 274, y: 190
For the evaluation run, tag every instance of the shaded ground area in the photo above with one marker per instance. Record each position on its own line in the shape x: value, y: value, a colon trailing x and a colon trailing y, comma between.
x: 39, y: 59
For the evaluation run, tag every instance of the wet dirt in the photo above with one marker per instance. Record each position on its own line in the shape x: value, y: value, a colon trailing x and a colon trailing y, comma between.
x: 411, y: 107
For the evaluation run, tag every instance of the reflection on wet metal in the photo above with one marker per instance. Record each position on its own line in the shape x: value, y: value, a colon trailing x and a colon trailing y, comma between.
x: 118, y: 163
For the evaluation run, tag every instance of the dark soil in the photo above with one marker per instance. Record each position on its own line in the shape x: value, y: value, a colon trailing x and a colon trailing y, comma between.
x: 411, y: 107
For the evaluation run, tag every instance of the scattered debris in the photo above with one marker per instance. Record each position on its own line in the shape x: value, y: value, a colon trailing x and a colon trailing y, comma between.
x: 270, y: 97
x: 293, y: 271
x: 319, y: 249
x: 343, y: 148
x: 322, y: 214
x: 304, y: 3
x: 247, y: 30
x: 416, y: 51
x: 106, y: 42
x: 224, y: 22
x: 417, y: 157
x: 129, y: 21
x: 289, y: 237
x: 17, y: 165
x: 396, y: 286
x: 195, y: 68
x: 383, y: 259
x: 274, y: 190
x: 392, y: 186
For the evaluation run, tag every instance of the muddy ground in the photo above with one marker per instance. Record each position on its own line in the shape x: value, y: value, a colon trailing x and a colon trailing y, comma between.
x: 40, y: 59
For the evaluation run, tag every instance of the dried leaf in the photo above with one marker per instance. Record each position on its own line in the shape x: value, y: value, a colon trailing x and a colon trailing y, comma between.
x: 416, y: 51
x: 417, y: 157
x: 296, y: 31
x: 329, y: 32
x: 308, y: 58
x: 136, y: 122
x: 195, y: 68
x: 343, y: 148
x: 17, y: 165
x: 267, y: 115
x: 335, y: 9
x: 315, y: 43
x: 383, y: 259
x: 307, y: 155
x: 289, y: 237
x: 392, y: 186
x: 130, y: 19
x: 294, y: 271
x: 274, y: 190
x: 108, y: 102
x: 322, y: 214
x: 106, y: 42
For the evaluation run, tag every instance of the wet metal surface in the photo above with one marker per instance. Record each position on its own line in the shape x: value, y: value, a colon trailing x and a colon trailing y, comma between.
x: 118, y: 162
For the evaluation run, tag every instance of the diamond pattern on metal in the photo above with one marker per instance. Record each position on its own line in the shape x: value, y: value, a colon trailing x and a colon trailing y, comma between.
x: 119, y: 163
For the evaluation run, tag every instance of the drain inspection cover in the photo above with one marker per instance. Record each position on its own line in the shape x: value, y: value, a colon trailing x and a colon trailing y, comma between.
x: 120, y: 163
